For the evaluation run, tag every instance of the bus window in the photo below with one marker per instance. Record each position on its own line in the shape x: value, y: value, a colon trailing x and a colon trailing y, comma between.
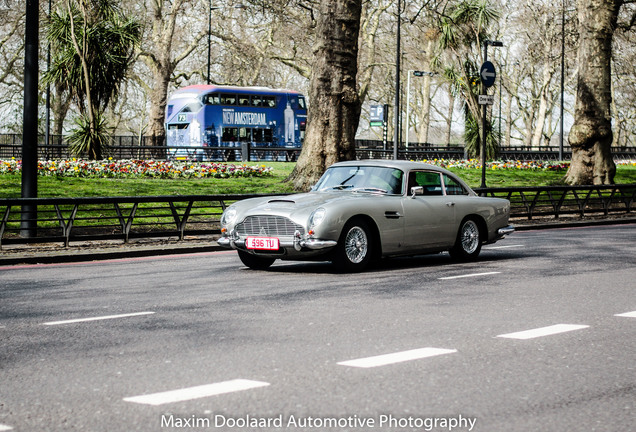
x: 301, y: 103
x: 178, y: 126
x: 192, y: 107
x: 230, y: 134
x: 245, y: 134
x: 268, y: 135
x: 257, y: 101
x: 170, y: 108
x: 243, y: 100
x: 269, y: 101
x: 228, y: 99
x: 212, y: 99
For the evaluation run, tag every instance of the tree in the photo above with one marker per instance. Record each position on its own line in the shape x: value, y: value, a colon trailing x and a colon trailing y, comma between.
x: 162, y: 53
x: 93, y: 45
x: 461, y: 36
x: 591, y: 135
x: 334, y: 110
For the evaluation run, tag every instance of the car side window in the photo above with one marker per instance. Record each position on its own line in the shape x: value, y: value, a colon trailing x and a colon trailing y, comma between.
x: 430, y: 181
x: 453, y: 187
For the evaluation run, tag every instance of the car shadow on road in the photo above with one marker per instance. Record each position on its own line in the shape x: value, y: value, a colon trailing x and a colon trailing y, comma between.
x: 439, y: 260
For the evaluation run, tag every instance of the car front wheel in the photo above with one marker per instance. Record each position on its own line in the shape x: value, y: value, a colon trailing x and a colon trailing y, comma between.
x: 254, y: 262
x: 468, y: 243
x: 355, y: 247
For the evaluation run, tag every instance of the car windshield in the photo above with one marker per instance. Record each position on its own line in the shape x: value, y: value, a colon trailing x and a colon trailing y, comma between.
x: 361, y: 179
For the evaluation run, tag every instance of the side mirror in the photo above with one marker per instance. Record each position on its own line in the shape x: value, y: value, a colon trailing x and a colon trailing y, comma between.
x: 417, y: 190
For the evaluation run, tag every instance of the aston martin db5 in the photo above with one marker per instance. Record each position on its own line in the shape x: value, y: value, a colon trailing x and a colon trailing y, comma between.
x: 360, y: 211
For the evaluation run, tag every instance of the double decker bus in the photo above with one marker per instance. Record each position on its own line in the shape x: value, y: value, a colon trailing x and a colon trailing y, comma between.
x: 206, y: 121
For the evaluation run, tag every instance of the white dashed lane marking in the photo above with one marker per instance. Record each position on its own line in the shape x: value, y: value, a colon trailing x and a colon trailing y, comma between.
x: 504, y: 247
x: 398, y: 357
x: 5, y: 428
x: 468, y: 275
x: 100, y: 318
x: 197, y: 392
x: 543, y: 331
x: 627, y: 315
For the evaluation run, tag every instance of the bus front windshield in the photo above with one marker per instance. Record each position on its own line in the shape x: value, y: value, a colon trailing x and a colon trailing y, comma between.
x: 361, y: 179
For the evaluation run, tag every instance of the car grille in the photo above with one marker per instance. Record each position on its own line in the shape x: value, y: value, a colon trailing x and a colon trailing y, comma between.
x: 268, y: 226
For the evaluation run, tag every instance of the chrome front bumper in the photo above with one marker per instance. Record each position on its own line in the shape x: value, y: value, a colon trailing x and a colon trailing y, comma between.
x: 298, y: 243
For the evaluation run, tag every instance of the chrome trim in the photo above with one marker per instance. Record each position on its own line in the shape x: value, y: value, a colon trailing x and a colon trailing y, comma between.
x: 506, y: 230
x: 316, y: 244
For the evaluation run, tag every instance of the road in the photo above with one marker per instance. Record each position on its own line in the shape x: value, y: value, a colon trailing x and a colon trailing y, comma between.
x: 539, y: 335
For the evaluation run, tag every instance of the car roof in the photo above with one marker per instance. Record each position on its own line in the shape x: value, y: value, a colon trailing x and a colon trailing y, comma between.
x: 399, y: 164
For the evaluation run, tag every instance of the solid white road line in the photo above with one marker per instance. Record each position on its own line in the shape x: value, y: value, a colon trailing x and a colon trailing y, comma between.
x: 386, y: 359
x: 543, y: 331
x: 107, y: 317
x: 197, y: 392
x: 503, y: 247
x: 5, y: 428
x: 627, y: 315
x: 468, y: 275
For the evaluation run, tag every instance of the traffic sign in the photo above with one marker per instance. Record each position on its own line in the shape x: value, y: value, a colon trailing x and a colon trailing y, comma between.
x: 486, y: 99
x: 488, y: 74
x: 376, y: 116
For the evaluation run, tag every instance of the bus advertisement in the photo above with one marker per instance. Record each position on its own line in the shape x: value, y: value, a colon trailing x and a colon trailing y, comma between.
x: 200, y: 119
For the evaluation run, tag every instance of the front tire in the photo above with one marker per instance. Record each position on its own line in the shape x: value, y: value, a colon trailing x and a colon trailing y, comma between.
x: 255, y: 262
x: 468, y: 243
x: 355, y: 247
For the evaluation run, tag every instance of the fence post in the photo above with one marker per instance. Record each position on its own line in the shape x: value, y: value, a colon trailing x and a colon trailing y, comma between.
x: 246, y: 147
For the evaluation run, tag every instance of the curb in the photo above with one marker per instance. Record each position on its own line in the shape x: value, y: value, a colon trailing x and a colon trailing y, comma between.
x: 98, y: 254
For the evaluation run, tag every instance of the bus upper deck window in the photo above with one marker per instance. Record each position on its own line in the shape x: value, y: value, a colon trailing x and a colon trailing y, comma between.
x: 269, y: 101
x: 228, y: 99
x: 212, y: 99
x: 244, y: 100
x: 192, y: 107
x: 301, y: 103
x: 257, y: 101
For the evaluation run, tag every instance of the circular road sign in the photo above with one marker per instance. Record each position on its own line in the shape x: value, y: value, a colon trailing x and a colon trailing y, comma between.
x: 487, y: 74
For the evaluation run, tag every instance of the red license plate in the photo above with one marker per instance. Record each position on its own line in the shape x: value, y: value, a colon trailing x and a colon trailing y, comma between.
x: 262, y: 243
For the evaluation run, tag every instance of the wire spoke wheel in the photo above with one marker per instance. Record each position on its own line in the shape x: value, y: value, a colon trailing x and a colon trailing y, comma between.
x: 468, y: 243
x: 356, y: 245
x: 470, y: 237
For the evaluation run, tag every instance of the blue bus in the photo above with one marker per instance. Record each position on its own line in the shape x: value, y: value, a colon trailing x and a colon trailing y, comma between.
x: 200, y: 119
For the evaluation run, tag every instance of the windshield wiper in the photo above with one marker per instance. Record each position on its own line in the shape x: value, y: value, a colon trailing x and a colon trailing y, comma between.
x: 370, y: 189
x: 337, y: 187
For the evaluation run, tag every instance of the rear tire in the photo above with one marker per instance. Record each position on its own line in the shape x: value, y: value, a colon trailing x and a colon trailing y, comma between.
x: 255, y: 262
x: 468, y: 243
x: 355, y: 247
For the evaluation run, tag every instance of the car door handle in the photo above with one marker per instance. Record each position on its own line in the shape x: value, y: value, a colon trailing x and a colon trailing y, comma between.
x: 392, y: 215
x: 450, y: 204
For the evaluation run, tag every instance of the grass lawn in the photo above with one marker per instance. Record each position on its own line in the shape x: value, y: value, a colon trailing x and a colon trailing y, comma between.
x: 89, y: 187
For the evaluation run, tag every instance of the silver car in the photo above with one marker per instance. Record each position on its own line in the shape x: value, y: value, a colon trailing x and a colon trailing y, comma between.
x: 360, y: 211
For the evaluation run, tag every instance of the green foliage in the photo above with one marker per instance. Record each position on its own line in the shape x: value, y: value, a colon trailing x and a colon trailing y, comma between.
x: 85, y: 140
x: 472, y: 138
x: 93, y: 44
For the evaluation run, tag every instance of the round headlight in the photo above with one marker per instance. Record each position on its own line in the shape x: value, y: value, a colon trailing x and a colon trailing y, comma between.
x: 317, y: 216
x: 228, y: 216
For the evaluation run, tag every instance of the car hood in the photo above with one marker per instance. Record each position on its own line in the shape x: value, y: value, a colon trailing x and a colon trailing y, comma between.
x: 296, y: 206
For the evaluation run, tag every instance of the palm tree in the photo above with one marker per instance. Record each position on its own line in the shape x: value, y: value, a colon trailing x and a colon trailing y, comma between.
x: 93, y: 45
x: 461, y: 35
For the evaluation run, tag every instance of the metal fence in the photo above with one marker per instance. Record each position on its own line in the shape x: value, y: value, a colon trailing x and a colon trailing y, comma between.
x: 75, y: 219
x: 135, y: 147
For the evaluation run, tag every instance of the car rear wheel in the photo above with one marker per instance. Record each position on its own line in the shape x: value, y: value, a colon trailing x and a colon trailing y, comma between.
x: 255, y: 262
x: 355, y: 247
x: 468, y: 243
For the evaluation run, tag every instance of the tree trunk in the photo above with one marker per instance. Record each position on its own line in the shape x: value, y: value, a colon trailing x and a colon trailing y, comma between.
x: 334, y: 104
x: 591, y: 134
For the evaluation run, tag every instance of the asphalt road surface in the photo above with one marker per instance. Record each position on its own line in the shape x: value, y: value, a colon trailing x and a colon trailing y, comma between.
x: 539, y: 335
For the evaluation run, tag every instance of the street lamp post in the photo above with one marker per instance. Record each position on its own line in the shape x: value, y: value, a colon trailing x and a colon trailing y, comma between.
x: 482, y: 150
x: 408, y: 99
x: 396, y: 121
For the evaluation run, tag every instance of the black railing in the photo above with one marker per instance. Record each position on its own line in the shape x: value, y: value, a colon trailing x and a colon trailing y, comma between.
x: 135, y: 147
x: 76, y: 219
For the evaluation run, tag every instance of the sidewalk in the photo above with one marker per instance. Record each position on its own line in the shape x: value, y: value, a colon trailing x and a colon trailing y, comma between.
x: 48, y: 253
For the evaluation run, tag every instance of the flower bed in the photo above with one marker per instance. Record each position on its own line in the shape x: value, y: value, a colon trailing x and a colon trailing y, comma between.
x: 136, y: 168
